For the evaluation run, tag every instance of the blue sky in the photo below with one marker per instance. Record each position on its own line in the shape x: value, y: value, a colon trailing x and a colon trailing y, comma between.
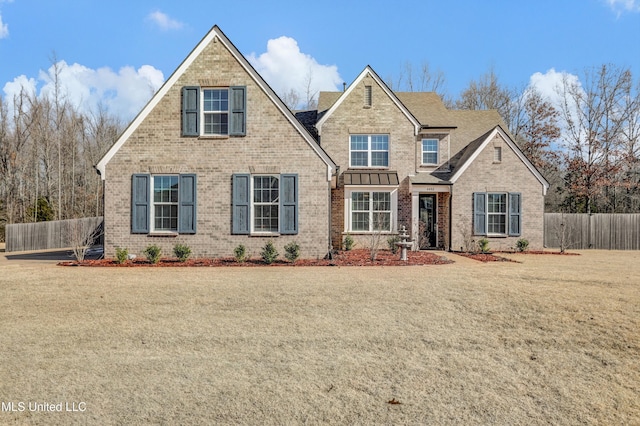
x: 119, y: 52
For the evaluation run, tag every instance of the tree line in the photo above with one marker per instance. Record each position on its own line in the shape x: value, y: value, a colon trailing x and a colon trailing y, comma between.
x: 587, y: 144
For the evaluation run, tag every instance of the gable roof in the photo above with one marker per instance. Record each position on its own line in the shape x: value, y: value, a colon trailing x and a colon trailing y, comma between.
x: 465, y: 157
x: 368, y: 71
x: 214, y: 34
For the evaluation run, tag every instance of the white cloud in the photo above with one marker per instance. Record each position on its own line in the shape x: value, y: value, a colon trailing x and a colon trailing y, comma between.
x: 550, y: 83
x: 285, y: 67
x: 163, y: 21
x: 620, y: 6
x: 123, y: 93
x: 4, y: 29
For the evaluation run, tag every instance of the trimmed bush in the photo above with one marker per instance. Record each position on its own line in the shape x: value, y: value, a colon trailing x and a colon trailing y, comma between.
x: 348, y: 242
x: 522, y: 244
x: 240, y: 253
x: 483, y: 245
x: 269, y: 253
x: 153, y: 253
x: 182, y: 252
x: 122, y: 255
x: 292, y: 251
x: 391, y: 241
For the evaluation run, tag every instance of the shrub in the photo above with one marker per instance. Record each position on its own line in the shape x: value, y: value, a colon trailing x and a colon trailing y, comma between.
x: 292, y: 251
x: 182, y: 252
x: 122, y: 255
x: 348, y: 242
x: 483, y: 245
x: 391, y: 241
x: 269, y: 253
x: 240, y: 253
x: 522, y: 244
x: 153, y: 253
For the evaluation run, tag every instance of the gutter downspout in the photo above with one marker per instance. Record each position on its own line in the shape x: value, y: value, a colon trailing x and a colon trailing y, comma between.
x: 451, y: 218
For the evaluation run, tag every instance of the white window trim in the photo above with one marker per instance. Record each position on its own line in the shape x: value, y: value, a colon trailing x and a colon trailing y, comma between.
x: 152, y: 206
x: 370, y: 151
x: 422, y: 152
x: 203, y: 113
x: 505, y: 214
x: 370, y: 188
x: 252, y: 230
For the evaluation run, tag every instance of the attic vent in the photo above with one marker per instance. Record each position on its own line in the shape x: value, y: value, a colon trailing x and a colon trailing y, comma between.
x: 368, y: 100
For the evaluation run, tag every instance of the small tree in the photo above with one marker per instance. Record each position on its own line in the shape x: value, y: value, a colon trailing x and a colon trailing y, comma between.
x: 182, y: 252
x: 82, y: 235
x: 122, y: 255
x: 348, y: 242
x: 240, y: 253
x: 153, y: 253
x: 269, y: 253
x: 292, y: 251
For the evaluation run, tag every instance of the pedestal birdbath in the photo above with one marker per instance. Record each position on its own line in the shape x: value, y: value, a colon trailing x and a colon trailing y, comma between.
x: 404, y: 243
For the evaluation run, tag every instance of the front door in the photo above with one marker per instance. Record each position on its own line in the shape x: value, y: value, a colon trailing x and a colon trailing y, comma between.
x: 427, y: 222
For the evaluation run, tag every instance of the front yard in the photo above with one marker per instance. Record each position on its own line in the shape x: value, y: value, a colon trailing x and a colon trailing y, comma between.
x: 550, y: 339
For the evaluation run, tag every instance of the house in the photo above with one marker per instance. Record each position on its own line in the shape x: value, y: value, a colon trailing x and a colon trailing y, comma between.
x: 448, y: 177
x: 215, y: 160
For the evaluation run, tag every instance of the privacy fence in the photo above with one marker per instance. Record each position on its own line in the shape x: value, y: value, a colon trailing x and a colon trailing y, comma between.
x: 592, y: 231
x: 52, y: 234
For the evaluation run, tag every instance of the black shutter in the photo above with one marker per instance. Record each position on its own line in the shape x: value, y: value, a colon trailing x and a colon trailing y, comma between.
x: 187, y: 204
x: 480, y: 213
x: 140, y: 203
x: 289, y: 204
x: 237, y: 111
x: 241, y: 207
x: 190, y: 111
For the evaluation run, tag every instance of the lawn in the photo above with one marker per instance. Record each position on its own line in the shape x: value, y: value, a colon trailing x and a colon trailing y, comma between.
x: 546, y: 340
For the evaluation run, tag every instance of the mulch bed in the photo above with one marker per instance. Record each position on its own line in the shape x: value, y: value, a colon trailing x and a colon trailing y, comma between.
x: 359, y: 257
x: 485, y: 257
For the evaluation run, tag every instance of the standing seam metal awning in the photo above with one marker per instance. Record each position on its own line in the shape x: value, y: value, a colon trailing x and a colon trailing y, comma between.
x: 370, y: 178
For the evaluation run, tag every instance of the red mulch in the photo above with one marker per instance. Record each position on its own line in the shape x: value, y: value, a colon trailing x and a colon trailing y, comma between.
x: 485, y: 257
x: 359, y: 257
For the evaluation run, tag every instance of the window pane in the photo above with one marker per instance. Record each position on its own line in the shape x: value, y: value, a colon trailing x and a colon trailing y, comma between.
x: 216, y: 100
x: 360, y: 221
x: 360, y: 201
x: 497, y: 224
x: 380, y: 143
x: 379, y: 159
x: 216, y: 124
x: 359, y: 142
x: 381, y: 201
x: 359, y: 159
x: 381, y: 221
x: 266, y: 218
x: 497, y: 203
x: 429, y: 158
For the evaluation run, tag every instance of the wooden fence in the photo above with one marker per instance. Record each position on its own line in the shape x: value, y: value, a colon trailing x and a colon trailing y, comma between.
x: 595, y: 231
x: 52, y: 234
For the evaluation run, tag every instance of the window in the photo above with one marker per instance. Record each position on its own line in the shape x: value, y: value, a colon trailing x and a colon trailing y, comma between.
x: 368, y: 97
x: 163, y: 203
x: 369, y: 150
x: 266, y: 200
x: 371, y: 211
x: 429, y: 151
x: 496, y: 213
x: 215, y: 111
x: 265, y: 204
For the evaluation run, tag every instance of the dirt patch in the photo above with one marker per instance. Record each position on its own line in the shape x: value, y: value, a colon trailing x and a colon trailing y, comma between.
x: 359, y: 257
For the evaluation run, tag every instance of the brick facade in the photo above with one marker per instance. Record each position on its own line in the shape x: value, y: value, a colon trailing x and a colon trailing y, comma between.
x: 272, y: 145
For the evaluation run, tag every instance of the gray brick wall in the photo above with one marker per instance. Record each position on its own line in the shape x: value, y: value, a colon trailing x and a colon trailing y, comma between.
x: 271, y: 145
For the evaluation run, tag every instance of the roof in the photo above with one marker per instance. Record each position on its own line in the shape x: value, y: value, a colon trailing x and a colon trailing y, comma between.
x: 214, y: 34
x: 367, y: 177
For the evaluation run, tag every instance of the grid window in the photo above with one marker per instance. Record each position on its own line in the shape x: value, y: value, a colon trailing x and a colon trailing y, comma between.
x: 266, y: 202
x: 216, y: 111
x: 370, y: 211
x: 369, y: 150
x: 496, y: 213
x: 430, y: 151
x: 165, y: 203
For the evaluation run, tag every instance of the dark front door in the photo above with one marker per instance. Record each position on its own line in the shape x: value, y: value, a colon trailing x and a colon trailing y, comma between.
x: 427, y: 223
